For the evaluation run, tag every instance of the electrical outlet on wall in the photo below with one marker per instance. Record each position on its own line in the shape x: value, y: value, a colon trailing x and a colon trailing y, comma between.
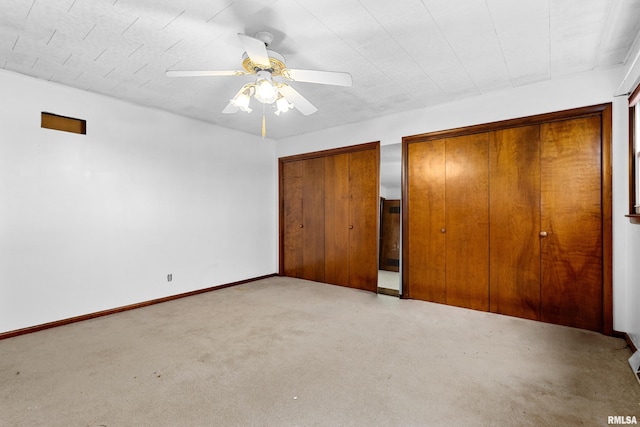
x: 169, y: 277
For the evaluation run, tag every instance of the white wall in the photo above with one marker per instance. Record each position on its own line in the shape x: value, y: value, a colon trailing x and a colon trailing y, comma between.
x: 97, y: 221
x: 574, y: 91
x: 94, y: 222
x: 391, y: 193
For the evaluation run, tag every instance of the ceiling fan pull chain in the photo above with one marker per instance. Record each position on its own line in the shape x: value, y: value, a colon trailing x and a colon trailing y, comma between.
x: 264, y: 123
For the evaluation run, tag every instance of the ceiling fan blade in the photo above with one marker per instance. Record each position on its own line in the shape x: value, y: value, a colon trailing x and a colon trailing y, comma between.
x: 256, y: 50
x: 203, y: 73
x: 323, y: 77
x: 298, y: 101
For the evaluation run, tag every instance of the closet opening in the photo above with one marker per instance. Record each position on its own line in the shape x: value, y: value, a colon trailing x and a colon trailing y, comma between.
x: 389, y: 252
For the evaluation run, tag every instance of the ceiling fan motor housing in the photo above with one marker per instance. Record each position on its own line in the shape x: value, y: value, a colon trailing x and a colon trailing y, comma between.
x: 264, y: 36
x: 276, y: 61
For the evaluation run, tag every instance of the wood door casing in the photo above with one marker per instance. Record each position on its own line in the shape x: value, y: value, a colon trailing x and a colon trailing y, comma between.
x: 425, y: 211
x: 337, y: 219
x: 572, y: 253
x: 514, y: 263
x: 389, y: 235
x: 364, y: 184
x: 467, y: 221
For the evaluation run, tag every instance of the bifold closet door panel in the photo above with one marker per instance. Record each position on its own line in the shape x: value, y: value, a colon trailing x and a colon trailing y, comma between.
x: 467, y: 221
x: 514, y: 230
x: 572, y: 260
x: 337, y: 219
x: 364, y: 183
x: 292, y: 176
x: 313, y: 199
x: 426, y: 221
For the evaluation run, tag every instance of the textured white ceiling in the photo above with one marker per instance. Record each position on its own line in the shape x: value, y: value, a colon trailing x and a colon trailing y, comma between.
x: 402, y: 54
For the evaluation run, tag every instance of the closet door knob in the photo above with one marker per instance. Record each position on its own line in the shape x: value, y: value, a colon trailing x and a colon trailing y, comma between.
x: 443, y: 230
x: 543, y: 234
x: 301, y: 226
x: 351, y: 227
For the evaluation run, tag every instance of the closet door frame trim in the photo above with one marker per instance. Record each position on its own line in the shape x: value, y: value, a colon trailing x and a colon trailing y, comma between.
x: 602, y: 110
x: 304, y: 156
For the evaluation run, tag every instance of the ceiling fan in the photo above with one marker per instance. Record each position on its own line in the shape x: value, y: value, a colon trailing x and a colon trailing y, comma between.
x: 266, y: 65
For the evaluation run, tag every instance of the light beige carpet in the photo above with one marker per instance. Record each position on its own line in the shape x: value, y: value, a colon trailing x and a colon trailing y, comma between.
x: 282, y: 352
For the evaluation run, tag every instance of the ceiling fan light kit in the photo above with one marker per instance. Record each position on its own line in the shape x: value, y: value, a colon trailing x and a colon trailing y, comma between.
x: 267, y: 64
x: 265, y: 90
x: 243, y: 98
x: 282, y: 105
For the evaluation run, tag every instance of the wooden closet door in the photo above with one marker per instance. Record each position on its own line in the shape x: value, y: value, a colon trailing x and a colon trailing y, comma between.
x: 364, y: 184
x: 514, y: 228
x: 337, y: 219
x: 572, y: 259
x: 425, y: 276
x: 313, y: 199
x: 467, y: 221
x: 293, y: 223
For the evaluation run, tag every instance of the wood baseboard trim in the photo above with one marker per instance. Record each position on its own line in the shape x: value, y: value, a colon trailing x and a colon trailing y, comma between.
x: 55, y: 324
x: 627, y: 339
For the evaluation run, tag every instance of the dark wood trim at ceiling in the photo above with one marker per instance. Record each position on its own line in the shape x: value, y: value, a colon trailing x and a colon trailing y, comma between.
x: 604, y: 111
x: 330, y: 152
x: 36, y: 328
x: 304, y: 156
x: 511, y: 123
